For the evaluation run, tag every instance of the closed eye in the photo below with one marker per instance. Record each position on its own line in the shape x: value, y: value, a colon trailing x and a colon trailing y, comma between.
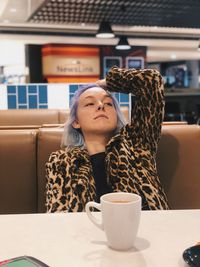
x: 109, y: 104
x: 89, y: 104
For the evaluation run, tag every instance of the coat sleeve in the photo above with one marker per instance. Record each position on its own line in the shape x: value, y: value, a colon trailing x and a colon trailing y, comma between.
x: 147, y: 115
x: 63, y: 193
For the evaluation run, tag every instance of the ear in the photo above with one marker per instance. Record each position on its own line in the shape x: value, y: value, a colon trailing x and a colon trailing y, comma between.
x: 76, y: 125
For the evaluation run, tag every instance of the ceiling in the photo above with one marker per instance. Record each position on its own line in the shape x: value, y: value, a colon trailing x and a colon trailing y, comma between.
x: 170, y: 29
x: 170, y: 13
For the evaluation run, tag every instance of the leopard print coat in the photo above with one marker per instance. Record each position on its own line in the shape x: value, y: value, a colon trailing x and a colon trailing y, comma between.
x: 130, y: 155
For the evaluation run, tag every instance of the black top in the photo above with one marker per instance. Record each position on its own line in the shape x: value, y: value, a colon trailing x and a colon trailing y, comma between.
x: 99, y: 172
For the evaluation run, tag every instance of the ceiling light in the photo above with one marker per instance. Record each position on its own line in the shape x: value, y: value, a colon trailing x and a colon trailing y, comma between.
x: 123, y: 44
x: 173, y: 56
x: 105, y: 30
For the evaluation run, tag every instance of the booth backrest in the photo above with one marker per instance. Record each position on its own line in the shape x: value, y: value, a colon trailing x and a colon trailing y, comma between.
x: 36, y: 118
x: 49, y: 140
x: 178, y: 162
x: 28, y: 117
x: 18, y: 180
x: 63, y: 115
x: 23, y: 154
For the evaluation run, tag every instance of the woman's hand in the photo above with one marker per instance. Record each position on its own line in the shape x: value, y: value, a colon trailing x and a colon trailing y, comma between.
x: 102, y: 83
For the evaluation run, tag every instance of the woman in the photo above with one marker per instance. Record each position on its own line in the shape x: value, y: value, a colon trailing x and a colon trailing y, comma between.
x: 102, y: 154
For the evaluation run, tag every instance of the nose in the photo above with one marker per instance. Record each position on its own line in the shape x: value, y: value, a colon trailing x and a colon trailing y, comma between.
x: 100, y: 106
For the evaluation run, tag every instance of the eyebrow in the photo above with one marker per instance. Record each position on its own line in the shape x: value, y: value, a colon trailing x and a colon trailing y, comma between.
x: 90, y: 96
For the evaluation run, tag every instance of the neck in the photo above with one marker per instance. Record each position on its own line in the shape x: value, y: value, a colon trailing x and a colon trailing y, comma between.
x: 96, y: 144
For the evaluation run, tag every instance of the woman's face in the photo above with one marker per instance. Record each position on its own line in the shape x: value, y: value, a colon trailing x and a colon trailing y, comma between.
x: 96, y: 113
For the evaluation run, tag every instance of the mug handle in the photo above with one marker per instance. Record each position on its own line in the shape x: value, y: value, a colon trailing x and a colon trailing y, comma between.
x: 94, y: 220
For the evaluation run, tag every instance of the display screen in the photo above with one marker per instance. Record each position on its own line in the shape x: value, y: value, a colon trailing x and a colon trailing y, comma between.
x: 21, y: 263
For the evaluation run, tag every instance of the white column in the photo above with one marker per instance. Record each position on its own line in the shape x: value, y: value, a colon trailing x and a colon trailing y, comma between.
x: 3, y: 97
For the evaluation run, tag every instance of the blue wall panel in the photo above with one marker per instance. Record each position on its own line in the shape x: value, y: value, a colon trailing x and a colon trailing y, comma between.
x: 27, y: 96
x: 32, y: 96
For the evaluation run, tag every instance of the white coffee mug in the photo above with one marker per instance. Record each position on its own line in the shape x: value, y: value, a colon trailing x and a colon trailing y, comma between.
x: 120, y: 218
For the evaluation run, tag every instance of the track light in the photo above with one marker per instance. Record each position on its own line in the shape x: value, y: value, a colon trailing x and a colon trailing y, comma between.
x: 123, y: 44
x: 105, y: 30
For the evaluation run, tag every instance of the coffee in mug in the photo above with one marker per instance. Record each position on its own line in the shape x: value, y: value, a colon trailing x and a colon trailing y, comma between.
x: 120, y: 201
x: 120, y: 218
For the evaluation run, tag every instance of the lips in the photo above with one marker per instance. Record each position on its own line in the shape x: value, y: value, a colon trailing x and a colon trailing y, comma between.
x: 101, y: 116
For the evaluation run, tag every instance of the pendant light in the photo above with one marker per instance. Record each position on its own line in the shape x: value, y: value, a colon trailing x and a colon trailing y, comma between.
x: 105, y: 30
x: 123, y: 44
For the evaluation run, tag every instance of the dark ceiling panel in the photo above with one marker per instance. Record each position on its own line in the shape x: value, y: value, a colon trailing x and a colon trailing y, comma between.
x: 166, y: 13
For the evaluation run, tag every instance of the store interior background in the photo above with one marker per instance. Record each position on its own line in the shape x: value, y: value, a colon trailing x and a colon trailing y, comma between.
x: 172, y: 50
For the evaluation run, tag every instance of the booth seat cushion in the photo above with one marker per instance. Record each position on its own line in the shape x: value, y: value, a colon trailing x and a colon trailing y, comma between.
x: 18, y: 181
x: 178, y: 161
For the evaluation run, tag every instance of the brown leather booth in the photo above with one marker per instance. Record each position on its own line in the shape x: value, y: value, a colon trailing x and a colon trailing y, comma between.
x: 28, y: 116
x: 178, y: 161
x: 32, y: 118
x: 23, y: 154
x: 49, y: 140
x: 18, y: 180
x: 63, y: 115
x: 36, y: 118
